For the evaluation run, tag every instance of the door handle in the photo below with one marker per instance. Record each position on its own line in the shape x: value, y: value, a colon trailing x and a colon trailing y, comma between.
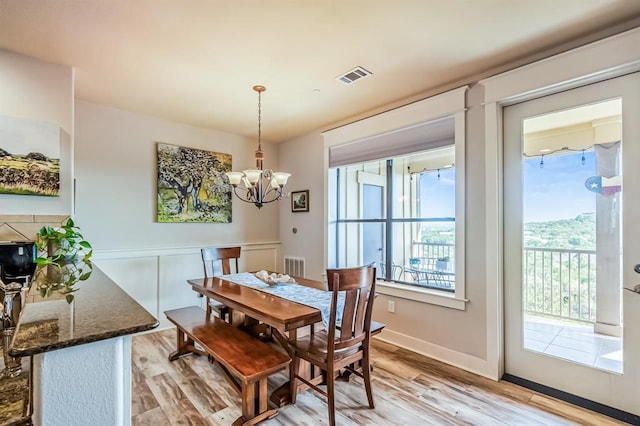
x: 637, y: 268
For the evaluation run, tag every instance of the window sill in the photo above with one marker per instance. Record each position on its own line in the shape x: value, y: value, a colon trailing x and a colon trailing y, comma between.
x: 424, y: 295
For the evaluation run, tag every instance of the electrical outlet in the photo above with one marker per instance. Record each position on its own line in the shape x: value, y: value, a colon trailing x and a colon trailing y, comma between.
x: 391, y: 307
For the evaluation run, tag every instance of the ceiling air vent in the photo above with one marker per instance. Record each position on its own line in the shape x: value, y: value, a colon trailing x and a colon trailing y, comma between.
x: 354, y: 75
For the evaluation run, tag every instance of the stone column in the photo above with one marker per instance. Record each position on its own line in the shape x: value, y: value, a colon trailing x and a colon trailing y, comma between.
x: 608, y: 245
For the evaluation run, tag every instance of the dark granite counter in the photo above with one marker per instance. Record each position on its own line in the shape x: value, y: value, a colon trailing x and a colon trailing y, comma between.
x: 100, y: 310
x: 14, y: 397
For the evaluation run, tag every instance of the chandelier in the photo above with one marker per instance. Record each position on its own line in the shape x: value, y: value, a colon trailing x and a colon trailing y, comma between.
x: 258, y: 186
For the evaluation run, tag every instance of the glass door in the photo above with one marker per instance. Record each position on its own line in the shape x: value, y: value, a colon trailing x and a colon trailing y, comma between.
x: 571, y: 241
x: 373, y: 232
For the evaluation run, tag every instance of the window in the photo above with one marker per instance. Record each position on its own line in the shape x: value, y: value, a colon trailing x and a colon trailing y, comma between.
x: 386, y: 204
x: 399, y: 215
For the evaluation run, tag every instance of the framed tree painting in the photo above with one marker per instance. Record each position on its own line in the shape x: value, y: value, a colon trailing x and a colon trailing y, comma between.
x: 192, y: 185
x: 300, y: 201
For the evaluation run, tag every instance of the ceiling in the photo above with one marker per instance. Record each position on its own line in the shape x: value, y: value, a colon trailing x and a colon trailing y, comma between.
x: 195, y: 61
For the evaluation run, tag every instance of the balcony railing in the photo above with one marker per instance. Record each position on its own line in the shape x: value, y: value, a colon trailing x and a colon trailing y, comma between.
x: 560, y: 283
x: 428, y: 253
x: 431, y: 265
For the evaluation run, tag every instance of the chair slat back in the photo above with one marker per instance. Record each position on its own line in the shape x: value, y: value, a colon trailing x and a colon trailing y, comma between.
x: 358, y: 285
x: 218, y: 260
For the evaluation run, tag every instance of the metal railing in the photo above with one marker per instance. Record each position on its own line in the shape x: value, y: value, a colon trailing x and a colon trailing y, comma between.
x: 428, y: 253
x: 560, y: 283
x: 431, y: 265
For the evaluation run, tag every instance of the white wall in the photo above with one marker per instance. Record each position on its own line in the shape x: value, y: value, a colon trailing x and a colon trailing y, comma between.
x: 302, y: 157
x: 116, y: 191
x: 30, y: 88
x: 81, y: 385
x: 471, y: 338
x: 116, y: 176
x: 455, y: 336
x: 157, y: 278
x: 33, y: 89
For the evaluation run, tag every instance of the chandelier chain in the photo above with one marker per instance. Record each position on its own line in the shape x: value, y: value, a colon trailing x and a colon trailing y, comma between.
x: 258, y: 186
x: 259, y: 120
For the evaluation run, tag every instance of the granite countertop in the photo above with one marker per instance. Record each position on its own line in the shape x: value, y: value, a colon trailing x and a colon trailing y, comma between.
x: 14, y: 397
x: 100, y: 310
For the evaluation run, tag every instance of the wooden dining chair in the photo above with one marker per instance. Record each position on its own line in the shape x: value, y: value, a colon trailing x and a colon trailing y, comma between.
x: 218, y: 261
x: 340, y: 345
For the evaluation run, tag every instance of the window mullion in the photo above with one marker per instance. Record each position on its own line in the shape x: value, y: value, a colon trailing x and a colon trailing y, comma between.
x: 338, y: 198
x: 388, y: 255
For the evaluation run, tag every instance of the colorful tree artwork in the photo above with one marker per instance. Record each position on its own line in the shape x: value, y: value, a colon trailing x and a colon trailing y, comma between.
x: 192, y: 185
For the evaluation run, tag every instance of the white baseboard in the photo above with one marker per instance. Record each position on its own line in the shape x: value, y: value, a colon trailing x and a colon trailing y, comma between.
x: 448, y: 356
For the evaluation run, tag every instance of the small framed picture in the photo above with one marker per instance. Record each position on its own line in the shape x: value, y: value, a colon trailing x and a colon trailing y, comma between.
x: 300, y: 201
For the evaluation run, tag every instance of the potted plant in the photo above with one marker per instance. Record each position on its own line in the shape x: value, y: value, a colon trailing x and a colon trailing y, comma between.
x: 443, y: 263
x: 63, y: 259
x: 65, y: 243
x: 61, y: 277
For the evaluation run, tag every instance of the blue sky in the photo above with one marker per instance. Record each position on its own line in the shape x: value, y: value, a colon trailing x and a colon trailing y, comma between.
x: 557, y: 191
x: 552, y: 192
x: 437, y: 196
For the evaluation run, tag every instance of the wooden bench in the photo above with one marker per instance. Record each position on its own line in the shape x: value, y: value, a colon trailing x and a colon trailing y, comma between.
x: 245, y: 361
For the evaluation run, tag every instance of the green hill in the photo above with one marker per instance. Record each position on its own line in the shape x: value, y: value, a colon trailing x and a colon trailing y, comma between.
x: 577, y: 233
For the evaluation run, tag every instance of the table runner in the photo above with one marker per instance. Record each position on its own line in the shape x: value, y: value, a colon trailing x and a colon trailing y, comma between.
x: 304, y: 295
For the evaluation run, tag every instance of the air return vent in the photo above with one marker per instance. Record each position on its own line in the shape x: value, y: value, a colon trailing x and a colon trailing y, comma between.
x: 358, y: 73
x: 294, y: 266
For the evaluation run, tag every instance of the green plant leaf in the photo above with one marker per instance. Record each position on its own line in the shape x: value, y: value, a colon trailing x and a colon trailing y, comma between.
x: 42, y: 261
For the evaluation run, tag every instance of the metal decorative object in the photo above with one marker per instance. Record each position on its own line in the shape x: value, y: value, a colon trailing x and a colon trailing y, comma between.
x: 11, y: 306
x: 258, y: 186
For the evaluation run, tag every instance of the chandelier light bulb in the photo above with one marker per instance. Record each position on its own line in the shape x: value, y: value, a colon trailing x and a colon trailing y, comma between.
x: 252, y: 175
x: 281, y: 178
x: 235, y: 178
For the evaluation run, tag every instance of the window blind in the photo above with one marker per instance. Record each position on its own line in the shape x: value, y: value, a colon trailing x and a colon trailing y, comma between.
x: 425, y: 136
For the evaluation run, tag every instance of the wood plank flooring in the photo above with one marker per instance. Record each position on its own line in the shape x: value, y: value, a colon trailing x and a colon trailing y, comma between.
x: 409, y: 389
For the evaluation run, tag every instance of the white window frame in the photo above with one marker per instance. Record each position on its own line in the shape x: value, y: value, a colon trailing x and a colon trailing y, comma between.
x: 392, y: 122
x: 607, y: 58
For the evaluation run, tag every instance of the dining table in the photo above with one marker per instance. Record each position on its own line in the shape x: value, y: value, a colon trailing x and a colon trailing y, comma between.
x: 285, y: 317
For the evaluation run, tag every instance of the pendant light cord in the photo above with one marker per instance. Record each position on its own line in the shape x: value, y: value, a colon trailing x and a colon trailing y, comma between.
x: 259, y: 120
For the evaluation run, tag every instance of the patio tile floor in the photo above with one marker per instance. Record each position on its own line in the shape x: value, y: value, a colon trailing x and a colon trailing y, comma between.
x: 575, y: 343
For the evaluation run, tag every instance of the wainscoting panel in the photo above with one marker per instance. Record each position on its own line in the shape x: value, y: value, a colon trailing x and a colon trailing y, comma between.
x: 157, y: 278
x: 137, y: 276
x: 173, y: 273
x: 257, y: 257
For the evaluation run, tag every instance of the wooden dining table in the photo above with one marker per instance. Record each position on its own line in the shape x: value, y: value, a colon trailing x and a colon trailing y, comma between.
x: 284, y: 316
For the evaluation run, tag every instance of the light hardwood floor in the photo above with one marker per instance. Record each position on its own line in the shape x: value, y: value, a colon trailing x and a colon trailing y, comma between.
x: 409, y: 389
